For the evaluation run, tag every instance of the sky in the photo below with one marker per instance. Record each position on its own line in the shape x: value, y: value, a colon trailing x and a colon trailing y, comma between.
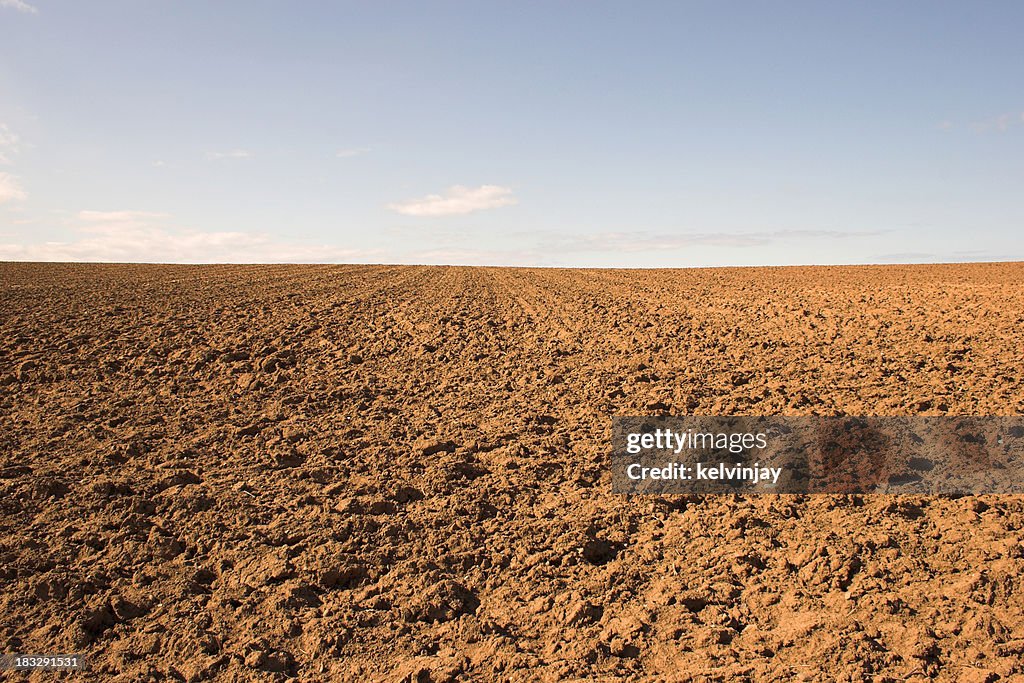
x: 581, y: 134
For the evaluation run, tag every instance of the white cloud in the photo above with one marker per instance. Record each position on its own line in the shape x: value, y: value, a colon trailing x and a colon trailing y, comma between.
x: 10, y: 188
x: 457, y: 201
x: 8, y: 144
x: 230, y: 154
x: 19, y: 5
x: 143, y: 237
x: 349, y: 153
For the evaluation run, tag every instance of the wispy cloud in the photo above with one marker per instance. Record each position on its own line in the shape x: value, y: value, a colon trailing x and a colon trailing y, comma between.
x: 548, y: 248
x: 230, y: 154
x: 907, y: 257
x: 456, y: 201
x: 998, y: 124
x: 352, y: 152
x: 637, y: 241
x: 118, y: 218
x: 8, y: 144
x: 10, y: 188
x: 477, y: 257
x: 145, y: 237
x: 956, y: 256
x: 19, y: 5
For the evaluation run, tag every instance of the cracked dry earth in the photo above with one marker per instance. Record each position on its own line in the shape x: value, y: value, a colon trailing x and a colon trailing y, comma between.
x: 382, y: 473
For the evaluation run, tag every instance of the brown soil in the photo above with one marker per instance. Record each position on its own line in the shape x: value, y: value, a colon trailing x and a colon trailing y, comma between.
x: 400, y: 473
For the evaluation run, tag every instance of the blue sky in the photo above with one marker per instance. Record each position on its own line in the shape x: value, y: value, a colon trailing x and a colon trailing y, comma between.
x: 516, y: 133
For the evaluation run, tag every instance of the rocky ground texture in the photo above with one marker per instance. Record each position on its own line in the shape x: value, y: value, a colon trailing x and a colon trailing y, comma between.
x: 400, y: 474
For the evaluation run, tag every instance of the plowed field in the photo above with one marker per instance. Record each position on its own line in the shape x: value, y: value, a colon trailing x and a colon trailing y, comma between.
x: 400, y: 473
